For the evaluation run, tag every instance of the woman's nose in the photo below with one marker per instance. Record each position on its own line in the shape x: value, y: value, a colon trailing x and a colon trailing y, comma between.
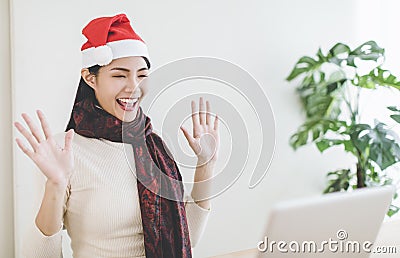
x: 131, y: 85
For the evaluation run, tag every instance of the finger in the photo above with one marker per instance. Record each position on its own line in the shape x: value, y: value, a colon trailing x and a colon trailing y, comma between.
x: 202, y: 112
x: 195, y: 119
x: 216, y: 122
x: 45, y: 125
x: 24, y: 148
x: 32, y: 141
x: 186, y: 133
x: 208, y: 114
x: 68, y: 140
x: 34, y: 129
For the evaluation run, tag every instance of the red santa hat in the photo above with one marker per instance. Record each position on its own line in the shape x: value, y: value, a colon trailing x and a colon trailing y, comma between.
x: 109, y: 38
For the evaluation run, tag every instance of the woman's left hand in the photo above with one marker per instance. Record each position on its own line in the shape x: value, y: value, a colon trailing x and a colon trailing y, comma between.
x: 205, y: 138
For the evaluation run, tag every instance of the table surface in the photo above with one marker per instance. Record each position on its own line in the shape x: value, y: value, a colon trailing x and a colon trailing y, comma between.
x: 389, y: 235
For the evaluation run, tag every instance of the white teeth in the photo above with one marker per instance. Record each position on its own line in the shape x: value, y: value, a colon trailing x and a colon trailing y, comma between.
x: 128, y: 101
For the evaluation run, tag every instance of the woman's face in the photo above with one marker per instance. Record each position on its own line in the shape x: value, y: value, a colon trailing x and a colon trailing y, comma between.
x: 119, y: 86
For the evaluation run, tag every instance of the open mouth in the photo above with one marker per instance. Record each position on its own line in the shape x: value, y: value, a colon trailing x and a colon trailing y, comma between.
x: 128, y: 104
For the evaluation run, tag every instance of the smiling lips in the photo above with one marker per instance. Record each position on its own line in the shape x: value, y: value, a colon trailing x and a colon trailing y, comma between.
x: 127, y: 104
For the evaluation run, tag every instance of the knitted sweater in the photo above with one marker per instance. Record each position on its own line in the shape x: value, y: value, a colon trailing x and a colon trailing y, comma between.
x: 101, y: 209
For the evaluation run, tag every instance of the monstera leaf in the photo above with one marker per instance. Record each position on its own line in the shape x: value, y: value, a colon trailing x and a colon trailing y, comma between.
x: 332, y: 118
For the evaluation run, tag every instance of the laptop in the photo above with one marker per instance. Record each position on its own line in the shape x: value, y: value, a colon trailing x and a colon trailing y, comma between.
x: 343, y: 224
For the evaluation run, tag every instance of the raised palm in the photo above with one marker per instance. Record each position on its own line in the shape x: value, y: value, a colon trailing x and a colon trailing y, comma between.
x: 205, y: 138
x: 55, y: 162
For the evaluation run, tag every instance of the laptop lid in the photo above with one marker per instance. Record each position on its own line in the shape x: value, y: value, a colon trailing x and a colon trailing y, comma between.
x: 341, y: 224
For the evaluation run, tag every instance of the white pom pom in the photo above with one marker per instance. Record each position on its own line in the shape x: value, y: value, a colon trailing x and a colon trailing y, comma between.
x: 103, y: 55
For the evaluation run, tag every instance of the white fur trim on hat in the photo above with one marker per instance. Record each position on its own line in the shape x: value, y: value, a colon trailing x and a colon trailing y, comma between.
x: 103, y: 55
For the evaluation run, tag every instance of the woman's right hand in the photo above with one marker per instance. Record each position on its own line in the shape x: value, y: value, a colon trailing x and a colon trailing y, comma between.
x: 55, y: 162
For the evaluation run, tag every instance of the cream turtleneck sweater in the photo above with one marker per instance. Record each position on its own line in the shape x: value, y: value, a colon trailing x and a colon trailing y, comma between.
x: 101, y: 210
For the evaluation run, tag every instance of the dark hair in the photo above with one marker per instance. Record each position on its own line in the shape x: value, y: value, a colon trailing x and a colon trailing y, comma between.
x: 86, y: 92
x: 147, y: 62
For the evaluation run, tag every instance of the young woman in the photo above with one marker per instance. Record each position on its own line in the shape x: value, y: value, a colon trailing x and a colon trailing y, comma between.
x: 111, y: 182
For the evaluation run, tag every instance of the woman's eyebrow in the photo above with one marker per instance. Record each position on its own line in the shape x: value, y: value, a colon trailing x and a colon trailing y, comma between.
x: 126, y: 69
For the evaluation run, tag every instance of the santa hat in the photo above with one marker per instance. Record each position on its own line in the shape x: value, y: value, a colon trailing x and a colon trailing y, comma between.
x: 109, y: 38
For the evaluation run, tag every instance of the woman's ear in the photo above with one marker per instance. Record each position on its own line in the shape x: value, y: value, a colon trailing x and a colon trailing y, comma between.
x: 88, y: 77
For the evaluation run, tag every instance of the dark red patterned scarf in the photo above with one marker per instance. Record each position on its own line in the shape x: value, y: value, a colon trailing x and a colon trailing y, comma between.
x: 164, y: 221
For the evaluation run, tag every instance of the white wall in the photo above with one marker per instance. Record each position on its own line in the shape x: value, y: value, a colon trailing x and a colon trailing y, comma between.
x: 6, y: 168
x: 264, y: 37
x: 377, y: 20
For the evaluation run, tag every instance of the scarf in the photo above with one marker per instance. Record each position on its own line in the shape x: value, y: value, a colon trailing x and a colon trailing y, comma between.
x: 164, y: 220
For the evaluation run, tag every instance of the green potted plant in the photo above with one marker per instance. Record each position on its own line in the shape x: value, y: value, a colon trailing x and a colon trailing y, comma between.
x: 329, y: 87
